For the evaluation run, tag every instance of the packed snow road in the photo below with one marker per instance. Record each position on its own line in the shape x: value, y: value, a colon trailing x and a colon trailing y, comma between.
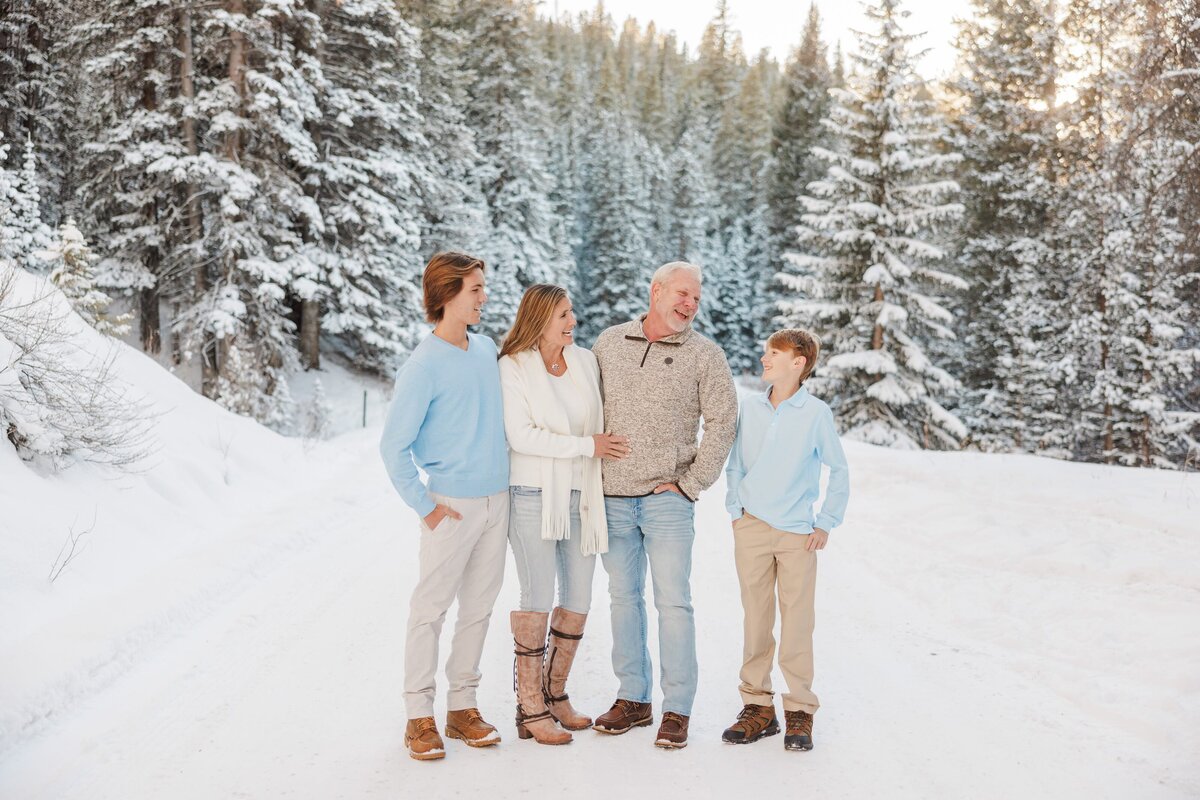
x: 988, y: 626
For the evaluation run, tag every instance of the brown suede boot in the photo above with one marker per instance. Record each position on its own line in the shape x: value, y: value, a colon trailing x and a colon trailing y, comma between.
x: 469, y: 725
x: 533, y: 718
x: 566, y: 629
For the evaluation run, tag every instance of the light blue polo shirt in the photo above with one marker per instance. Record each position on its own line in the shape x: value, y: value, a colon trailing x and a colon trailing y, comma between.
x: 774, y: 469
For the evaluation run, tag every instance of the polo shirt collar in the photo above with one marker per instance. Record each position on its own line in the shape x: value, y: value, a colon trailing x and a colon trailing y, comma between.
x: 798, y: 399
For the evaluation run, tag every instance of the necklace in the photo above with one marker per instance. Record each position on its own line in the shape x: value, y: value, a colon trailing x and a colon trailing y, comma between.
x: 556, y: 364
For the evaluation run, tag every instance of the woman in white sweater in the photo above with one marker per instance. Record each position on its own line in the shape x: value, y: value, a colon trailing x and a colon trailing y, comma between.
x: 553, y: 417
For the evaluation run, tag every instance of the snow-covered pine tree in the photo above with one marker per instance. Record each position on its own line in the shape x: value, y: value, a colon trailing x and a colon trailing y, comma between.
x: 614, y: 260
x: 22, y: 232
x: 260, y: 233
x: 1006, y: 135
x: 128, y: 164
x: 742, y: 168
x: 454, y: 209
x: 70, y: 261
x: 795, y: 129
x: 510, y: 124
x: 373, y: 159
x: 34, y: 96
x: 1124, y: 233
x: 864, y: 270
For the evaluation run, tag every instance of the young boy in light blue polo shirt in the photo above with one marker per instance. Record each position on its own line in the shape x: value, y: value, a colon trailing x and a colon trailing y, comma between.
x: 774, y: 478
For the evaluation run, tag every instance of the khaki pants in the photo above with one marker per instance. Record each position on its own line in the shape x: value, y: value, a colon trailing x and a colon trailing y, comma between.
x: 767, y: 557
x: 464, y: 559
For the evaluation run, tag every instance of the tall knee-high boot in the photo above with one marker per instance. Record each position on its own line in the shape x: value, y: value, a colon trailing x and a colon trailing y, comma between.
x: 533, y: 719
x: 566, y: 629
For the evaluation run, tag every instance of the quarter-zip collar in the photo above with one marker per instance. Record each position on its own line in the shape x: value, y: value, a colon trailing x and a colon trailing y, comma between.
x: 639, y: 333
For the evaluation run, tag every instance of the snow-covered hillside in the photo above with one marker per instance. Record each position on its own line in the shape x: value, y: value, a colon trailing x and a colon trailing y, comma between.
x: 988, y: 626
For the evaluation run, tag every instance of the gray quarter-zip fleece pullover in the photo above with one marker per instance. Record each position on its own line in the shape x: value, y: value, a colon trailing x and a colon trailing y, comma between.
x: 655, y: 393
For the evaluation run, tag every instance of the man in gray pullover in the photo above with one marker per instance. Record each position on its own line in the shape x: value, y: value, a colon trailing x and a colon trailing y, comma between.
x: 660, y: 377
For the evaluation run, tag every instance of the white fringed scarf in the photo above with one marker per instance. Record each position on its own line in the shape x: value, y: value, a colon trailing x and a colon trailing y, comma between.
x: 546, y: 412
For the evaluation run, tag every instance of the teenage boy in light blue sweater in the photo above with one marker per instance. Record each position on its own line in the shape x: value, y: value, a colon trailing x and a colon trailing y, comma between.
x: 774, y: 478
x: 447, y: 418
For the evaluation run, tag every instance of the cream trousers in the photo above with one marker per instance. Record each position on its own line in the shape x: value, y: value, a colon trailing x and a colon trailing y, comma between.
x: 464, y: 559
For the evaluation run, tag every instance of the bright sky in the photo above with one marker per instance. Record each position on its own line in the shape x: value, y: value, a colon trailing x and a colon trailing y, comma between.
x: 776, y: 24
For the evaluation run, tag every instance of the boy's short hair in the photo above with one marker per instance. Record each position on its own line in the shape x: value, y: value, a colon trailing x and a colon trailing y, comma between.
x: 801, y: 343
x: 443, y: 279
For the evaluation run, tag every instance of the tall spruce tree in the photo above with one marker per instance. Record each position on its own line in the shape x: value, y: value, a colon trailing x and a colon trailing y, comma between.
x: 373, y: 160
x: 1123, y: 236
x: 1006, y: 134
x: 510, y: 123
x: 34, y: 91
x: 796, y: 129
x: 865, y: 267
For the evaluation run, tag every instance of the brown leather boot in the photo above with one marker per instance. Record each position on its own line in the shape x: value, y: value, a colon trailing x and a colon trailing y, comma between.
x: 469, y: 725
x: 623, y: 716
x: 753, y: 723
x: 533, y: 718
x: 566, y: 629
x: 422, y: 739
x: 672, y: 733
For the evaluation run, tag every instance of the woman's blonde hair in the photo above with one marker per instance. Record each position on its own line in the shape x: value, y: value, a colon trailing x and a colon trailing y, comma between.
x: 537, y: 306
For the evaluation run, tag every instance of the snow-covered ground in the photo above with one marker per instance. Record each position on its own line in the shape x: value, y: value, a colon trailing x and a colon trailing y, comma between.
x: 988, y: 626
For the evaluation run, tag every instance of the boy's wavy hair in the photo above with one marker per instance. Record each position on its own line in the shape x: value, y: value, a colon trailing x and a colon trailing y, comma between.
x: 801, y: 343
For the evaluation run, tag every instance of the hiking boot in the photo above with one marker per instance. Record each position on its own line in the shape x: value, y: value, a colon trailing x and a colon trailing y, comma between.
x: 422, y: 739
x: 566, y: 629
x: 623, y: 715
x: 753, y: 723
x: 468, y: 724
x: 672, y: 733
x: 799, y: 730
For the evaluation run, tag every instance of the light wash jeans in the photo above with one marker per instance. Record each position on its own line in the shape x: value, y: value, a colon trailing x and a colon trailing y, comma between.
x: 658, y: 528
x: 538, y: 559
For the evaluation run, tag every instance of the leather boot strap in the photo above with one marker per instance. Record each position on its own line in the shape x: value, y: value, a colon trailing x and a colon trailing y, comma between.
x: 569, y: 636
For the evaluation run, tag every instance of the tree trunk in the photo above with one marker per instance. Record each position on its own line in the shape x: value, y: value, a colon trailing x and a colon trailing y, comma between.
x: 877, y: 334
x: 310, y: 334
x: 238, y: 53
x: 187, y: 89
x: 151, y: 259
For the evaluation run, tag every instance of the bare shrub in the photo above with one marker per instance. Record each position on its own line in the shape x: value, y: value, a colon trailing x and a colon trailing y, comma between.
x: 61, y: 403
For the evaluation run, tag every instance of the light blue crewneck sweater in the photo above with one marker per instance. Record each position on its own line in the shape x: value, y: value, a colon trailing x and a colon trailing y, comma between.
x: 774, y: 469
x: 447, y: 418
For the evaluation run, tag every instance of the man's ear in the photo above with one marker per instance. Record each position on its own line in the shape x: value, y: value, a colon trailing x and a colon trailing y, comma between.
x: 800, y: 362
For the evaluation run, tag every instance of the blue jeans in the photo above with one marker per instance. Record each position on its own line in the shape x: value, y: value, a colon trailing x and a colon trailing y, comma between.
x: 538, y: 559
x: 657, y: 528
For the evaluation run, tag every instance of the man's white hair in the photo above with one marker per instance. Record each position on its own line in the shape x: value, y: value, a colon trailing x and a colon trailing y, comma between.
x: 664, y: 273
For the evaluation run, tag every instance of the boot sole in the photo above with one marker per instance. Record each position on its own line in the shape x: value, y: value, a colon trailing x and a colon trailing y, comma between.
x: 641, y: 723
x: 767, y: 731
x: 427, y: 756
x: 668, y: 745
x: 454, y: 734
x: 432, y: 755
